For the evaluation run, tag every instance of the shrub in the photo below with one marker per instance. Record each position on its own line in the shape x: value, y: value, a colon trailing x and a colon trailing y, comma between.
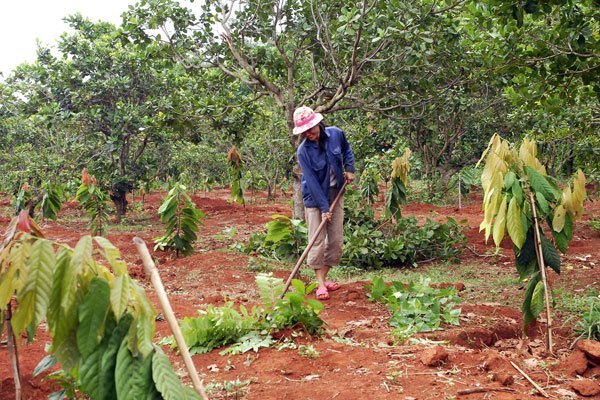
x: 285, y: 239
x: 373, y: 243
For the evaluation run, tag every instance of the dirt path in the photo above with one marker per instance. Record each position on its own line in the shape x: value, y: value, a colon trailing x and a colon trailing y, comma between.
x: 356, y: 357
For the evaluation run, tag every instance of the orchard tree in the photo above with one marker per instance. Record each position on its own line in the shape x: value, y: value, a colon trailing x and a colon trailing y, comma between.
x: 330, y: 55
x: 550, y: 52
x: 121, y: 100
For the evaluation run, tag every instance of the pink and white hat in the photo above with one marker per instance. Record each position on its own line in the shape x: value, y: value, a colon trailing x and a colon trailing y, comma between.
x: 304, y: 119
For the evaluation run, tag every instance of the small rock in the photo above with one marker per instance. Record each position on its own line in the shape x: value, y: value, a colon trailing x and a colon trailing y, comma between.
x: 503, y: 379
x: 593, y: 373
x: 212, y: 368
x: 591, y: 348
x: 434, y: 357
x: 566, y: 394
x: 586, y: 387
x: 309, y: 378
x: 575, y: 364
x: 495, y: 362
x: 531, y: 363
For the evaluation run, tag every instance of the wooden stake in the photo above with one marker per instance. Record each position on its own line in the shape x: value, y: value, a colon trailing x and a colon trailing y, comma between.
x: 311, y: 243
x: 13, y: 355
x: 535, y: 385
x: 484, y: 390
x: 152, y: 271
x: 540, y: 258
x: 459, y: 192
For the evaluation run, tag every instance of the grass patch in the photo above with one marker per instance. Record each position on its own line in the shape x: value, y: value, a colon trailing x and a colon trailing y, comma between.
x: 574, y: 303
x: 236, y: 389
x: 484, y: 283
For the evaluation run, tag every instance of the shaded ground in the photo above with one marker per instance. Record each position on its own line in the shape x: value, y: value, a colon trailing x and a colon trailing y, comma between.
x: 357, y: 357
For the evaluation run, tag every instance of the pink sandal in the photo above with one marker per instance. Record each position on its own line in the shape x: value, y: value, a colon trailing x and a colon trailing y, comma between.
x: 332, y: 286
x: 322, y: 293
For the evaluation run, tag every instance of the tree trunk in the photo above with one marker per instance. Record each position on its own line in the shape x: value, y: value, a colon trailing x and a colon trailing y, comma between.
x: 119, y: 199
x: 298, y: 204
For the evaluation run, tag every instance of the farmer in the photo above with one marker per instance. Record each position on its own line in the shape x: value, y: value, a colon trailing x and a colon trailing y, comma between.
x: 327, y: 161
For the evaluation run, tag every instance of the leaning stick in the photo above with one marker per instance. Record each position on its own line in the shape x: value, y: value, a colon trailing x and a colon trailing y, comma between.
x: 483, y: 390
x: 311, y: 243
x: 12, y: 353
x: 152, y: 271
x: 535, y: 385
x: 540, y: 259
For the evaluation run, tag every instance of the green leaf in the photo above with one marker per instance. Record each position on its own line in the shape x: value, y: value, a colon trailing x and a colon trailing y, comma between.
x: 144, y: 322
x: 500, y: 223
x: 119, y: 294
x: 35, y: 296
x: 299, y: 286
x: 46, y: 363
x: 90, y: 372
x: 133, y: 375
x: 92, y: 315
x: 540, y: 184
x: 551, y: 256
x: 528, y: 315
x: 82, y: 254
x: 165, y: 379
x: 509, y: 180
x: 109, y: 357
x: 62, y: 321
x: 113, y: 255
x: 378, y: 289
x: 542, y: 203
x: 559, y: 219
x: 8, y: 285
x: 537, y: 300
x: 517, y: 192
x: 561, y: 241
x: 526, y: 256
x: 514, y: 224
x: 568, y: 227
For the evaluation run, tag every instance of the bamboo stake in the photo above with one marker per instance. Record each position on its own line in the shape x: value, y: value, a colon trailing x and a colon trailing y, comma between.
x: 535, y: 385
x: 12, y: 353
x: 152, y: 271
x: 540, y: 259
x: 311, y: 243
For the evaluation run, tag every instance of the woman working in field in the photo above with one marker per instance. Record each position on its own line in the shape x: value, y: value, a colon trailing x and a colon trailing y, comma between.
x: 327, y: 161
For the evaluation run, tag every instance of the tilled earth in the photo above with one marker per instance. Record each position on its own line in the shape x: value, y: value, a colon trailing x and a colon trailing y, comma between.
x: 356, y: 358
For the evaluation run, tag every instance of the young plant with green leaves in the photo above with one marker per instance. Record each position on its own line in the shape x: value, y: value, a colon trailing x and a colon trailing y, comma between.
x: 517, y: 188
x: 285, y: 238
x: 94, y: 201
x: 236, y: 169
x: 99, y: 319
x: 49, y: 198
x: 250, y: 329
x: 182, y: 221
x: 416, y: 306
x: 399, y: 182
x: 369, y: 180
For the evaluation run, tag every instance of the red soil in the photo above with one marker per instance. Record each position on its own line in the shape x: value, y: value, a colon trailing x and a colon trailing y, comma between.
x: 357, y: 356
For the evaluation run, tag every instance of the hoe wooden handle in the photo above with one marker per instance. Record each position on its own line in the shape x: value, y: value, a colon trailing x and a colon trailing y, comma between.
x: 311, y: 242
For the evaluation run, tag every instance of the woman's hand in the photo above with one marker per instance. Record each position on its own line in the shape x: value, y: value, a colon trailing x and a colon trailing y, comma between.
x: 326, y: 216
x: 349, y: 177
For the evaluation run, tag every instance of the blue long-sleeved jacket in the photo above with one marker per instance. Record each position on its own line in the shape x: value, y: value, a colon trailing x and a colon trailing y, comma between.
x: 316, y: 164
